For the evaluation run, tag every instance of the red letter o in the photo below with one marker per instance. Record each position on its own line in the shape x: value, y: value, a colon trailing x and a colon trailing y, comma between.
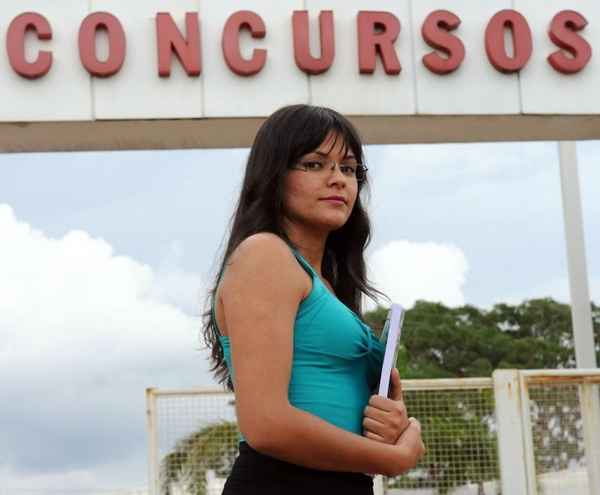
x: 521, y: 36
x: 87, y: 44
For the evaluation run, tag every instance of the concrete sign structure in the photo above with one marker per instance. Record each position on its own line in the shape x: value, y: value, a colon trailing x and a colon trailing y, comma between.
x: 100, y: 74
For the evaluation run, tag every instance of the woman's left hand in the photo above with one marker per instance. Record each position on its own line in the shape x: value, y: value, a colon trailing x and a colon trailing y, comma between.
x: 385, y: 419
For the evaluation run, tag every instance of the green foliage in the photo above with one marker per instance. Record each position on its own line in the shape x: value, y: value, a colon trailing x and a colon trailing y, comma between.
x: 442, y: 342
x: 213, y: 447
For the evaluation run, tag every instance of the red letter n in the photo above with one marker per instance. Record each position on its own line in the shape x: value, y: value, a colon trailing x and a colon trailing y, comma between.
x: 170, y: 40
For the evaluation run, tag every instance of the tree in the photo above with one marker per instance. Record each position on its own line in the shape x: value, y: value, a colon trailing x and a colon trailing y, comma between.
x: 213, y: 447
x: 442, y: 342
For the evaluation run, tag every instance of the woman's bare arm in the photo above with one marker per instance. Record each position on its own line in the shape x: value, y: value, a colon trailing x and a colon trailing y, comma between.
x: 261, y: 290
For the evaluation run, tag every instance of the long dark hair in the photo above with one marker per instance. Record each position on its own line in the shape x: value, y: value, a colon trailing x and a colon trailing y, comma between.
x: 283, y: 138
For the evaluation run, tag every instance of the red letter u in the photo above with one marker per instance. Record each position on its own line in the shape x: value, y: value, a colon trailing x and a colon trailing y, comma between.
x: 304, y: 60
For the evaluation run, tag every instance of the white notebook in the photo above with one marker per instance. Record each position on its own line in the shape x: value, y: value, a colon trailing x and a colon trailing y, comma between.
x: 390, y: 336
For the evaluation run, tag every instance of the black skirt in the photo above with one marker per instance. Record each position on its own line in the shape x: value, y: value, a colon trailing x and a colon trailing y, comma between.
x: 256, y: 473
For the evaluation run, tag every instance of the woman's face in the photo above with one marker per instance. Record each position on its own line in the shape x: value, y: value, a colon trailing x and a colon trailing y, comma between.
x: 305, y: 191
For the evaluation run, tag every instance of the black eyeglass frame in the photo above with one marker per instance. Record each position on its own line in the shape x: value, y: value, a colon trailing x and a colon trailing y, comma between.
x: 298, y: 165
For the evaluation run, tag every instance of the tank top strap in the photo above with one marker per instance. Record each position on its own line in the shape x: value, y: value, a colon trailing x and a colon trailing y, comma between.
x: 305, y: 264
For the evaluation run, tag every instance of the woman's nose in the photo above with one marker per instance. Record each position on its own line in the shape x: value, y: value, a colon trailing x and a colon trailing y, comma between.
x: 337, y: 171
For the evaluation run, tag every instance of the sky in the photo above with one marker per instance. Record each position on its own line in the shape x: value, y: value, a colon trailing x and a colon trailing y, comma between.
x: 106, y: 258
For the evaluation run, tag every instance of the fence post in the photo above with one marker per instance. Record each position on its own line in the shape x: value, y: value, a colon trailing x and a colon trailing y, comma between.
x: 152, y: 442
x: 511, y: 434
x: 590, y: 413
x: 378, y: 485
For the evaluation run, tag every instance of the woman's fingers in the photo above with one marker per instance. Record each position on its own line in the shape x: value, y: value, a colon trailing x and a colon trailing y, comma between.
x: 374, y: 436
x: 378, y: 431
x: 386, y: 410
x: 386, y: 418
x: 396, y: 391
x: 375, y: 427
x: 415, y: 421
x: 376, y: 413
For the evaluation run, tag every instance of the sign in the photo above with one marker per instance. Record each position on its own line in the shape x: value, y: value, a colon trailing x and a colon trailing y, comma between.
x: 86, y: 74
x: 377, y: 33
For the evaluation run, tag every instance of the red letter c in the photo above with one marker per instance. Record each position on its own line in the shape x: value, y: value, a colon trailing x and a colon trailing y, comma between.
x: 15, y: 45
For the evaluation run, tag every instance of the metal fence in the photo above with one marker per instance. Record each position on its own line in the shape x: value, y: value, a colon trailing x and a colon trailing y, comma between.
x: 520, y: 432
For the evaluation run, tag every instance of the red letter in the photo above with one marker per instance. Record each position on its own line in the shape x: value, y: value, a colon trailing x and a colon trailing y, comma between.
x: 521, y: 37
x: 170, y: 40
x: 87, y: 44
x: 231, y: 43
x: 15, y: 45
x: 377, y: 32
x: 562, y: 34
x: 304, y: 60
x: 435, y: 33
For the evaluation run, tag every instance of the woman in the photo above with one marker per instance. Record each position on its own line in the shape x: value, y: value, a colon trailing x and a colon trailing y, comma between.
x: 284, y: 328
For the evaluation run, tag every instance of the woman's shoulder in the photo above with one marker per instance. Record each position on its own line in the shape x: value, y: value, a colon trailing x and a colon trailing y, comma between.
x: 264, y: 259
x: 262, y: 245
x: 263, y: 251
x: 264, y: 240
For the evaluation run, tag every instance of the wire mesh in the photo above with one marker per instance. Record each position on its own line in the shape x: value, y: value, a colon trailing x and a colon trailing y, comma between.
x: 197, y: 439
x: 558, y: 438
x: 459, y: 432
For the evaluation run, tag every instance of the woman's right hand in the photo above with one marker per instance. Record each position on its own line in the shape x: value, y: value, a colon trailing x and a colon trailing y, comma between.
x: 409, y: 448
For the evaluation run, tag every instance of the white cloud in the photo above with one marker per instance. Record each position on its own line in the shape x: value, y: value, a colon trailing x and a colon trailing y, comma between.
x: 101, y: 480
x: 83, y: 332
x: 174, y: 285
x: 407, y: 271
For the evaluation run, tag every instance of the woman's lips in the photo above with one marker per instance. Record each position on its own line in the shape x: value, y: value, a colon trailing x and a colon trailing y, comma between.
x: 334, y: 201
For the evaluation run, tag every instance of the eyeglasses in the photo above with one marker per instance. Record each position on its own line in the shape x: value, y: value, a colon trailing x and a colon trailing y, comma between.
x: 320, y: 166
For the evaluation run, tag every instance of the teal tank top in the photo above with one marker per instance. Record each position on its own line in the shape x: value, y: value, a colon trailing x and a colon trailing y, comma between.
x: 337, y: 358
